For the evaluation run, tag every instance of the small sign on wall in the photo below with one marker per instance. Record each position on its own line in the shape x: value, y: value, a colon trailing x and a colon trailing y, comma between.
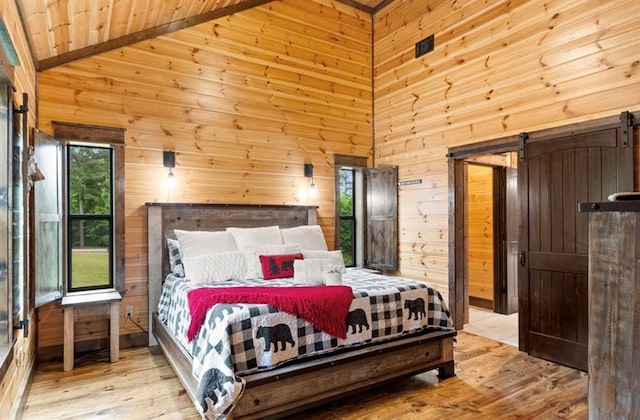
x: 410, y: 182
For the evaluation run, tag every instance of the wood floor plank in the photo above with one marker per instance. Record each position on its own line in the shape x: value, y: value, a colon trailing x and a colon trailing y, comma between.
x: 493, y: 380
x: 141, y: 385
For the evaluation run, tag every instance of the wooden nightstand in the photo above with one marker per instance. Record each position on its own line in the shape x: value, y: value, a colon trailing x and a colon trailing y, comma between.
x: 91, y: 306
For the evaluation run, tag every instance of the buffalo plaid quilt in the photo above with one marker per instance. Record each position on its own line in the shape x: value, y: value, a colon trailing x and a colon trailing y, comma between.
x: 237, y: 339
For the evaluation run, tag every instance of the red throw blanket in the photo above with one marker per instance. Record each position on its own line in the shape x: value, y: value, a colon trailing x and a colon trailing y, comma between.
x: 326, y: 307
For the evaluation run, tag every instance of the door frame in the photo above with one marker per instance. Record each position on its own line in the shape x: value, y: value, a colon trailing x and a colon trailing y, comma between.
x: 458, y: 267
x: 458, y: 290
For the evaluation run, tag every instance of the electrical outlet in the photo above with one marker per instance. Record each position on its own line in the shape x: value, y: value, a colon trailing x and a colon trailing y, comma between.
x: 128, y: 312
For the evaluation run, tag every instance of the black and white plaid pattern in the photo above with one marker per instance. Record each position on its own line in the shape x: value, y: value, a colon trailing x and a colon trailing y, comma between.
x: 386, y: 315
x: 175, y: 257
x: 384, y: 307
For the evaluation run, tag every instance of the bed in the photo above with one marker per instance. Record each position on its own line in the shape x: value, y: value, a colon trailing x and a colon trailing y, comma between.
x: 288, y: 385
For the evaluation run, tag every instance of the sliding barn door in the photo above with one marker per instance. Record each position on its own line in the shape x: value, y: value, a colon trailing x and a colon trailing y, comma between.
x: 556, y: 173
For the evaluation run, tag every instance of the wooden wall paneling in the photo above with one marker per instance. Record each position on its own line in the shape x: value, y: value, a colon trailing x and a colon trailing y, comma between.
x: 243, y: 100
x: 495, y: 71
x: 428, y: 247
x: 347, y: 49
x: 182, y: 55
x: 169, y: 132
x: 307, y: 57
x: 441, y: 19
x: 484, y: 77
x: 522, y: 20
x: 341, y: 18
x: 438, y: 221
x: 480, y: 232
x: 224, y: 122
x: 479, y: 202
x: 475, y: 20
x: 350, y: 46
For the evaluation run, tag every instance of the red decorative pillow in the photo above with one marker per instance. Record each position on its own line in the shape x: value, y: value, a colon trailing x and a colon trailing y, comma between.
x: 278, y: 266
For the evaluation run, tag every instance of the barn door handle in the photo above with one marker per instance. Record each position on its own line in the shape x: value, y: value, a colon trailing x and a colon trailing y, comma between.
x: 523, y: 259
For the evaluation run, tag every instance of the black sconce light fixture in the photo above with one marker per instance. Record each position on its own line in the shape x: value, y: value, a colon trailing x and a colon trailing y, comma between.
x: 308, y: 173
x: 169, y: 161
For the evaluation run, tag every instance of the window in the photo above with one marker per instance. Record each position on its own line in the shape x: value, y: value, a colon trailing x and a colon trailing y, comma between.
x: 12, y: 218
x: 366, y: 213
x: 92, y: 184
x: 350, y: 200
x: 347, y: 216
x: 90, y: 220
x: 13, y: 296
x: 6, y: 327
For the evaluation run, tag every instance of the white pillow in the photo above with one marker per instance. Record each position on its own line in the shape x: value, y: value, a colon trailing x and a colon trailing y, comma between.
x: 334, y: 258
x: 214, y: 268
x: 252, y: 257
x: 195, y: 243
x: 309, y: 272
x: 248, y: 237
x: 308, y: 237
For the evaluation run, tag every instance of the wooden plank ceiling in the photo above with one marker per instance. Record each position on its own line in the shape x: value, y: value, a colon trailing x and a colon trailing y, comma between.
x: 61, y: 31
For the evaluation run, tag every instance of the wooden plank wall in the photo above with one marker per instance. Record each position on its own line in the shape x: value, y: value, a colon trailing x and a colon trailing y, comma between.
x: 13, y: 381
x: 479, y: 224
x: 498, y: 68
x: 244, y: 101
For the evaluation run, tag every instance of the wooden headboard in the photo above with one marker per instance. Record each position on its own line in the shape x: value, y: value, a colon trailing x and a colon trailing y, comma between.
x: 163, y: 218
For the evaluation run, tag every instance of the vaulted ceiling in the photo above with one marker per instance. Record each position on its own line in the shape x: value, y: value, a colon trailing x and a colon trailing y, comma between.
x: 60, y: 31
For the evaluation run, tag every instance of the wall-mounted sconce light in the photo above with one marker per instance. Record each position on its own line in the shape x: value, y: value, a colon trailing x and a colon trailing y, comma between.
x: 169, y: 161
x: 308, y: 173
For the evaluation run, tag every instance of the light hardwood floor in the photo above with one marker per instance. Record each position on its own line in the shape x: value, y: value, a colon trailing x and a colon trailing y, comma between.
x: 493, y: 381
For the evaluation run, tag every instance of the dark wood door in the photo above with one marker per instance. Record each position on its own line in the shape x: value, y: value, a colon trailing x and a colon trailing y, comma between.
x: 556, y: 173
x: 382, y: 218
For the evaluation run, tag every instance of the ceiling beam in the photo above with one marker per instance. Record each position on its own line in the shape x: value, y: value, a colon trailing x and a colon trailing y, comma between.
x: 370, y: 10
x: 160, y: 30
x: 380, y: 6
x: 357, y: 5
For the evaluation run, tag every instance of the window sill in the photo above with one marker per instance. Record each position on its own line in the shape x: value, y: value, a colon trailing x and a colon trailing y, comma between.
x: 89, y: 298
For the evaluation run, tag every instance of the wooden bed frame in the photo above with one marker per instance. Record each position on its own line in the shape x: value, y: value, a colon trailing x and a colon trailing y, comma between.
x: 300, y: 385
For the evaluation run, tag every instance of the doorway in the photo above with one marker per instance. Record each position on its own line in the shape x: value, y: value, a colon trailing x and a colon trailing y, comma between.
x: 557, y: 169
x: 491, y: 231
x: 491, y: 244
x: 496, y: 154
